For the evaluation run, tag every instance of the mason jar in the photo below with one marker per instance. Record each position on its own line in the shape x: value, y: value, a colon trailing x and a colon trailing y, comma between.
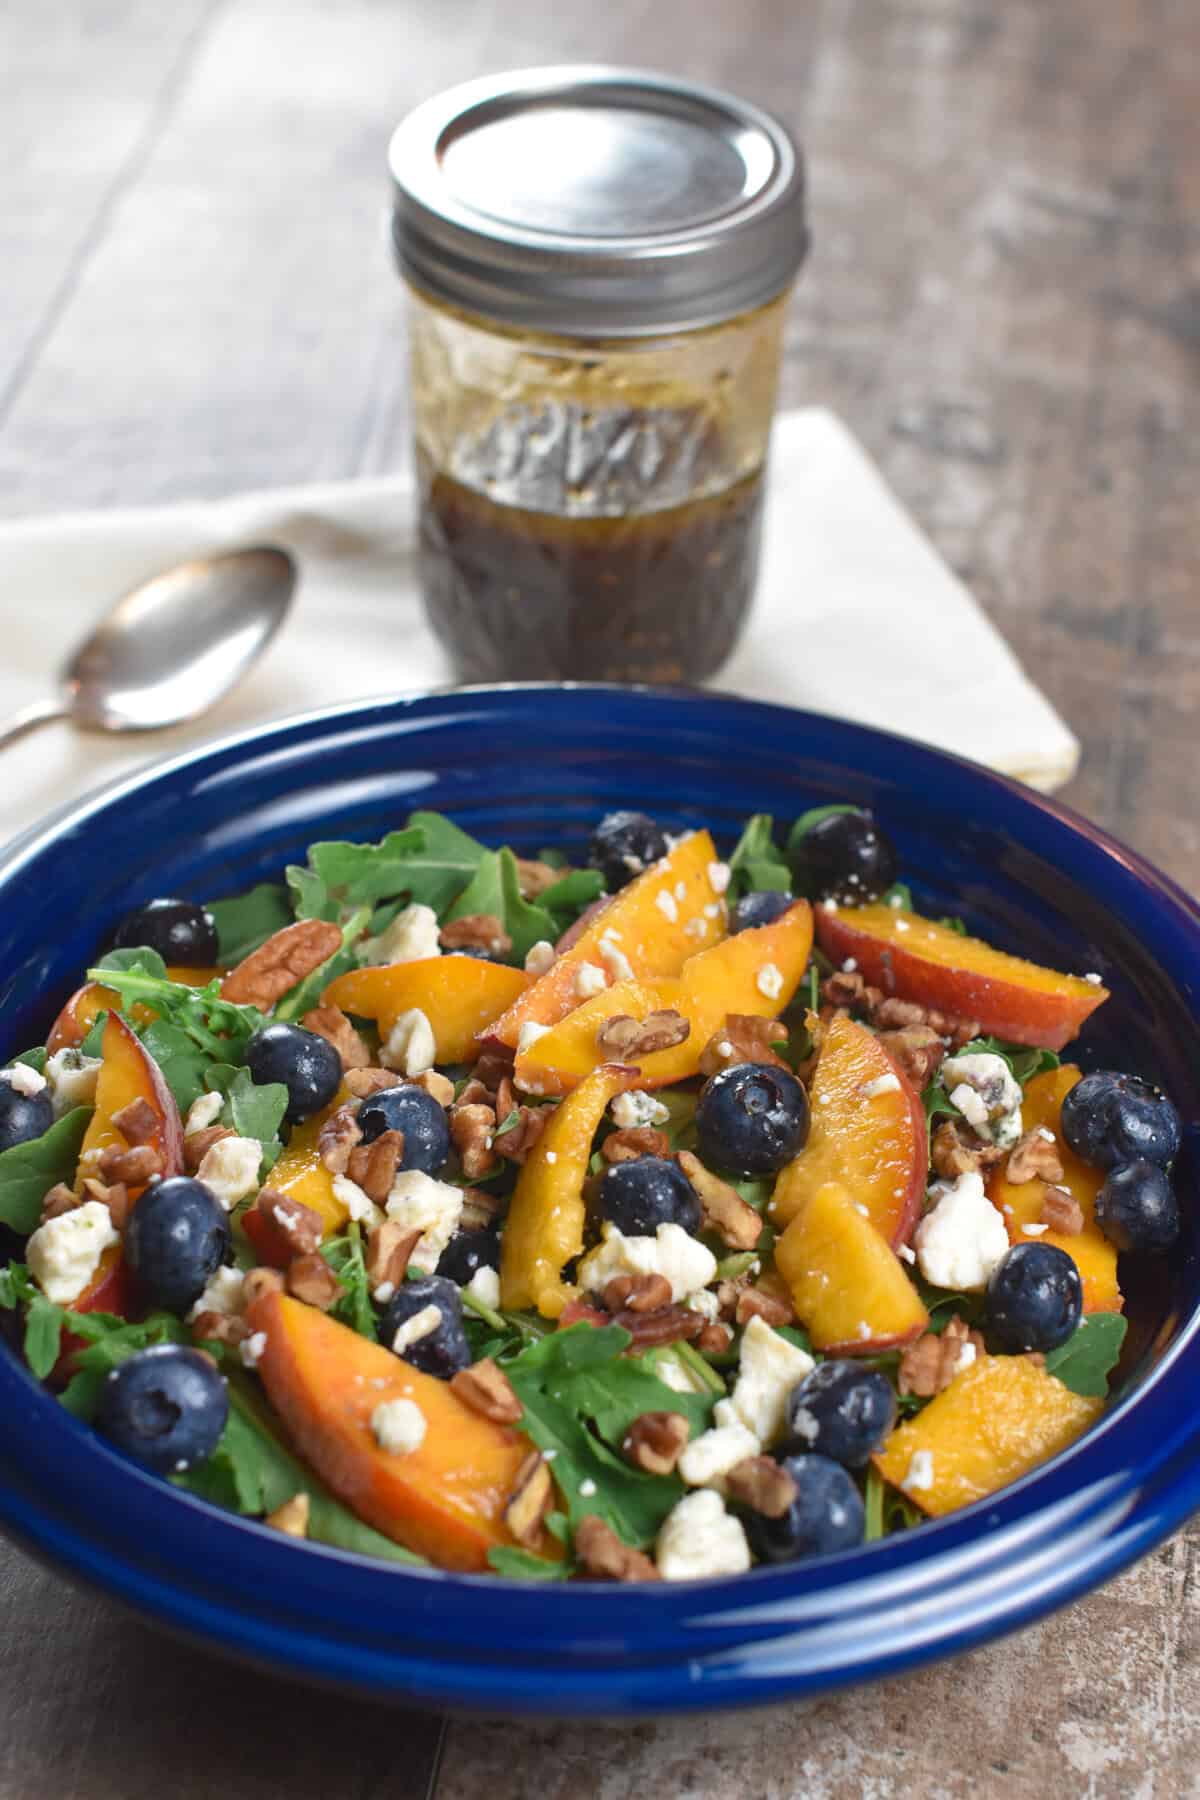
x: 599, y: 263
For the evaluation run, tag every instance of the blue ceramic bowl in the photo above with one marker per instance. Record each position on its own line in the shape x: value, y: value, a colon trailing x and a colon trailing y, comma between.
x: 530, y: 766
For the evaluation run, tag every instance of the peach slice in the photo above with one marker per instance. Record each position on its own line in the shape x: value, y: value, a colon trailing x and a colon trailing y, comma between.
x: 80, y: 1012
x: 300, y: 1173
x: 544, y: 1228
x: 128, y: 1072
x: 656, y: 923
x: 1021, y: 1202
x: 755, y: 971
x: 461, y: 996
x: 917, y: 959
x: 444, y: 1500
x: 998, y: 1419
x: 847, y: 1285
x: 868, y: 1133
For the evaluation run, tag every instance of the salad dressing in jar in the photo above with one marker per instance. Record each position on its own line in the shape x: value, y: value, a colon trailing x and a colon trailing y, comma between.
x: 599, y: 263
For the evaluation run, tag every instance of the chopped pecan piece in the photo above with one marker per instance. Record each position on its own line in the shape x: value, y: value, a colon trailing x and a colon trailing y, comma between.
x: 220, y: 1328
x: 331, y: 1023
x: 655, y: 1441
x: 602, y: 1554
x: 955, y: 1150
x: 733, y: 1219
x: 138, y: 1123
x: 59, y: 1200
x: 471, y: 1131
x: 476, y: 931
x: 486, y: 1389
x: 533, y: 877
x: 530, y: 1500
x: 258, y: 1282
x: 1034, y: 1158
x: 292, y: 1517
x: 310, y: 1278
x: 931, y: 1364
x: 917, y: 1050
x: 272, y: 970
x: 846, y: 988
x: 624, y: 1039
x: 480, y: 1209
x: 197, y: 1144
x: 581, y: 1312
x: 338, y: 1138
x: 495, y: 1063
x: 506, y: 1101
x: 890, y: 1014
x: 640, y: 1293
x: 361, y: 1082
x: 134, y: 1167
x: 1062, y: 1212
x: 729, y: 1293
x: 665, y: 1326
x: 372, y: 1167
x: 115, y: 1196
x: 756, y: 1303
x: 389, y: 1248
x: 715, y: 1339
x: 743, y: 1038
x: 516, y: 1143
x: 617, y: 1036
x: 634, y: 1141
x: 439, y: 1087
x: 762, y: 1485
x: 302, y: 1225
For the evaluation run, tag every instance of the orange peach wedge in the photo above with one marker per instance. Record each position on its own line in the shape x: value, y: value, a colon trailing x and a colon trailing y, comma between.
x: 461, y: 996
x: 128, y: 1072
x: 847, y: 1285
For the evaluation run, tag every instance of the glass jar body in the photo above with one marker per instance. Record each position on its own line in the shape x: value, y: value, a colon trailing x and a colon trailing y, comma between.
x: 590, y: 509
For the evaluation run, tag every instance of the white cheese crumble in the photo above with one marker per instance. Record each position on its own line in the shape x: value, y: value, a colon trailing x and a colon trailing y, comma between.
x: 986, y: 1092
x: 966, y: 1357
x: 698, y: 1537
x: 552, y: 1156
x: 64, y: 1253
x: 1096, y: 980
x: 412, y: 936
x: 705, y: 1302
x: 252, y: 1349
x: 529, y: 1034
x: 681, y: 890
x: 696, y: 928
x: 587, y: 1487
x: 399, y: 1426
x: 485, y: 1286
x: 665, y: 902
x: 229, y: 1169
x: 718, y: 877
x: 203, y: 1112
x: 769, y: 982
x: 905, y: 1253
x: 672, y: 1252
x: 707, y: 1460
x: 422, y: 1325
x: 768, y: 1369
x: 222, y: 1294
x: 961, y: 1240
x: 882, y: 1084
x: 1034, y: 1230
x: 419, y: 1203
x: 849, y: 966
x: 23, y: 1080
x: 411, y: 1047
x: 831, y: 905
x: 383, y: 1292
x: 919, y: 1475
x: 636, y: 1108
x: 539, y: 957
x: 72, y: 1078
x: 361, y: 1208
x: 590, y: 980
x: 615, y: 960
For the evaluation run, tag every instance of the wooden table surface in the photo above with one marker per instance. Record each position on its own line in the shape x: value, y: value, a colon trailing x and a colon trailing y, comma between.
x: 1004, y: 303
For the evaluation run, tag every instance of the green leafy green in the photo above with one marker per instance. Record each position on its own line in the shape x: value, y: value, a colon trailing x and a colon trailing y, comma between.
x: 950, y: 922
x: 256, y: 1111
x: 495, y: 888
x: 28, y: 1171
x: 812, y: 817
x: 345, y: 1257
x: 899, y: 896
x: 941, y: 1304
x: 141, y: 960
x: 429, y: 861
x: 218, y: 1027
x: 886, y: 1509
x: 568, y: 897
x: 307, y: 993
x: 757, y: 863
x: 246, y: 921
x: 523, y: 1565
x: 1084, y: 1362
x: 1025, y: 1060
x: 32, y: 1059
x: 183, y: 1064
x: 110, y: 1342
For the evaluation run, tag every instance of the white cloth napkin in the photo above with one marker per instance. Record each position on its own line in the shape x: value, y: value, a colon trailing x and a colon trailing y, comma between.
x: 856, y: 614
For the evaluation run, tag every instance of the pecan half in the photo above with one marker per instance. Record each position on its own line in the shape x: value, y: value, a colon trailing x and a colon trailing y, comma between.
x: 1034, y: 1158
x: 361, y: 1082
x: 917, y: 1050
x: 292, y: 1517
x: 634, y: 1141
x: 301, y: 1225
x: 331, y: 1023
x: 493, y: 1065
x: 640, y: 1293
x: 530, y: 1500
x: 486, y: 1389
x: 60, y: 1199
x: 310, y: 1278
x: 931, y: 1364
x: 655, y: 1441
x: 272, y: 970
x: 955, y: 1150
x: 471, y: 1131
x: 624, y: 1039
x: 258, y: 1282
x: 665, y: 1326
x: 476, y: 931
x: 743, y: 1037
x: 480, y: 1209
x: 197, y: 1144
x: 762, y: 1485
x: 338, y: 1138
x: 138, y: 1123
x: 756, y: 1303
x: 1062, y: 1212
x: 602, y: 1554
x: 533, y: 877
x: 516, y: 1143
x: 220, y: 1328
x: 373, y: 1166
x: 134, y: 1167
x: 389, y: 1248
x: 733, y: 1219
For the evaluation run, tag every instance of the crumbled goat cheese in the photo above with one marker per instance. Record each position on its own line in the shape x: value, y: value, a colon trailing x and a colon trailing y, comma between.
x: 361, y: 1208
x: 230, y: 1169
x: 615, y: 960
x: 411, y: 937
x: 849, y: 966
x: 681, y: 890
x: 419, y: 1203
x: 882, y: 1084
x: 707, y: 1460
x: 903, y: 925
x: 383, y: 1293
x: 665, y: 902
x: 411, y: 1046
x: 539, y: 957
x: 919, y: 1475
x: 698, y: 1537
x: 587, y: 1487
x: 485, y: 1286
x: 64, y: 1253
x: 966, y: 1357
x: 961, y: 1240
x: 972, y: 1106
x: 72, y: 1078
x: 706, y: 1302
x: 713, y: 910
x: 1096, y: 980
x: 986, y: 1092
x: 718, y: 877
x: 223, y: 1294
x: 252, y: 1349
x: 529, y: 1034
x: 23, y: 1080
x: 590, y: 980
x: 768, y: 1369
x: 421, y: 1325
x: 202, y: 1113
x: 769, y: 982
x: 1034, y: 1230
x: 636, y: 1108
x: 805, y: 1425
x: 905, y: 1253
x: 672, y: 1252
x: 551, y: 1156
x: 831, y: 905
x: 399, y: 1426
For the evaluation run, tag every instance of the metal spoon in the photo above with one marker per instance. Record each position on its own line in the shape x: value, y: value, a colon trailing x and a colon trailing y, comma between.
x: 171, y: 648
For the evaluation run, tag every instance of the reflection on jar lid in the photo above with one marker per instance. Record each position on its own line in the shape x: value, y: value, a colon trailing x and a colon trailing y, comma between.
x: 597, y: 202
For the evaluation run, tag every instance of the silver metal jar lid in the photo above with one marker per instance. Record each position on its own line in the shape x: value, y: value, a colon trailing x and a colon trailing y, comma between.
x: 597, y: 202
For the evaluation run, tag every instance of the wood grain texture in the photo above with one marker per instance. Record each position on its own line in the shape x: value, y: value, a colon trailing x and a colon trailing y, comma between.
x: 1004, y: 303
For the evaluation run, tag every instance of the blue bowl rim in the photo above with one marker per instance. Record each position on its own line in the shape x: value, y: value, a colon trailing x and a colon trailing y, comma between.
x: 774, y: 1634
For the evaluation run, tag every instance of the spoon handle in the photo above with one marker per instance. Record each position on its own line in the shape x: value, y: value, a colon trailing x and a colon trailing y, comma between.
x: 38, y: 712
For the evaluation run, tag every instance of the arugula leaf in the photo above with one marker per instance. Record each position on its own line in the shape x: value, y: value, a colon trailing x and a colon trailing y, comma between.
x: 307, y: 993
x: 812, y: 817
x: 345, y: 1257
x: 253, y: 1111
x: 941, y: 1304
x: 183, y: 1064
x: 43, y: 1334
x: 887, y: 1510
x: 141, y: 959
x: 951, y: 922
x: 567, y: 898
x: 218, y: 1027
x: 429, y: 861
x: 248, y: 920
x: 28, y: 1171
x: 110, y: 1342
x: 899, y: 896
x: 523, y: 1565
x: 495, y: 888
x: 1024, y: 1060
x: 757, y: 863
x: 32, y: 1059
x: 1093, y: 1349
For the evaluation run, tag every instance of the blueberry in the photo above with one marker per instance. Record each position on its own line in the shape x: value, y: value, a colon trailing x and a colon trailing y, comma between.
x: 166, y: 1406
x: 752, y: 1118
x: 467, y: 1253
x: 23, y: 1117
x: 418, y: 1115
x: 845, y: 857
x: 308, y: 1066
x: 444, y: 1350
x: 1109, y: 1118
x: 1034, y: 1298
x: 841, y: 1411
x: 623, y: 844
x: 641, y: 1195
x: 176, y: 1239
x: 1136, y: 1209
x: 179, y: 930
x: 827, y: 1514
x: 759, y: 908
